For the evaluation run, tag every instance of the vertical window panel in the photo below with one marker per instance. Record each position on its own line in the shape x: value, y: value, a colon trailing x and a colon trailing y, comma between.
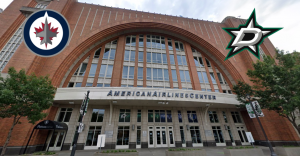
x: 102, y: 70
x: 109, y: 71
x: 187, y: 76
x: 132, y: 56
x: 141, y: 42
x: 83, y: 68
x: 125, y: 72
x: 165, y: 61
x: 179, y: 60
x: 174, y: 75
x: 212, y: 76
x: 140, y: 72
x: 148, y: 57
x: 112, y: 54
x: 159, y: 74
x: 200, y: 77
x: 131, y: 73
x: 196, y: 62
x: 166, y: 75
x: 184, y: 60
x: 126, y: 56
x: 205, y: 77
x: 93, y: 70
x: 172, y: 61
x: 141, y: 56
x: 149, y: 76
x: 106, y: 53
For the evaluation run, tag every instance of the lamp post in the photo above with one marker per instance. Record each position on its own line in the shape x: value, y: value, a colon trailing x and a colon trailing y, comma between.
x: 268, y: 142
x: 80, y: 121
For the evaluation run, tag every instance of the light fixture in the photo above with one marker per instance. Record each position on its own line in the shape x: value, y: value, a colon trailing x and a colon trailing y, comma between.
x: 207, y: 105
x: 71, y: 102
x: 187, y: 127
x: 167, y: 103
x: 114, y: 102
x: 226, y: 127
x: 163, y: 103
x: 133, y: 127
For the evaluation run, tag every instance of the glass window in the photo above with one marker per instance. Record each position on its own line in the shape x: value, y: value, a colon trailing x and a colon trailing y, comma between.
x: 155, y: 76
x: 123, y: 135
x: 205, y: 77
x: 166, y: 75
x: 76, y: 72
x: 112, y: 54
x: 93, y: 70
x: 133, y: 43
x: 195, y: 134
x: 106, y: 53
x: 149, y: 76
x: 165, y: 61
x: 181, y: 72
x: 97, y: 115
x: 78, y: 84
x: 139, y: 116
x: 172, y: 61
x: 102, y: 70
x: 200, y: 77
x: 229, y: 92
x: 140, y: 72
x: 220, y: 78
x: 97, y: 53
x: 196, y: 62
x: 236, y: 117
x: 179, y: 60
x: 169, y: 116
x: 177, y: 46
x: 150, y: 115
x: 209, y: 90
x: 106, y: 85
x: 148, y: 57
x: 71, y: 84
x: 192, y: 116
x: 65, y: 114
x: 131, y: 73
x: 174, y: 75
x: 218, y: 134
x: 170, y: 44
x: 181, y: 47
x: 141, y: 42
x: 225, y: 117
x: 126, y: 56
x: 212, y: 76
x: 184, y: 60
x: 230, y: 134
x: 179, y: 116
x: 201, y: 62
x: 216, y: 90
x: 109, y: 71
x: 148, y: 43
x: 128, y: 40
x: 207, y: 62
x: 141, y: 56
x: 182, y: 135
x: 138, y: 135
x: 213, y: 117
x: 187, y: 76
x: 125, y: 72
x: 159, y: 59
x: 132, y: 56
x: 83, y: 68
x: 124, y: 115
x: 160, y: 74
x: 224, y: 91
x: 163, y: 46
x: 99, y: 84
x: 89, y: 84
x: 92, y: 137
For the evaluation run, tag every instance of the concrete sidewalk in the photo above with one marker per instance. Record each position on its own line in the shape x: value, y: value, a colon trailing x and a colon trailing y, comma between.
x: 211, y: 151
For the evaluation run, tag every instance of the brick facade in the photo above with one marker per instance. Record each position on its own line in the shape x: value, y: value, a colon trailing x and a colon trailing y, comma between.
x: 92, y: 26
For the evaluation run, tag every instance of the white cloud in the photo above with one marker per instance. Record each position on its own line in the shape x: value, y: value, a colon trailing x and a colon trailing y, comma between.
x: 269, y: 13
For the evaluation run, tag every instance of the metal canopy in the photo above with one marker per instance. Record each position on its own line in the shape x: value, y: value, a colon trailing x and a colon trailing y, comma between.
x: 49, y: 125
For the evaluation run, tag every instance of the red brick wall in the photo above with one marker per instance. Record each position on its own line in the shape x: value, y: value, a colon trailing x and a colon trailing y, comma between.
x: 208, y: 35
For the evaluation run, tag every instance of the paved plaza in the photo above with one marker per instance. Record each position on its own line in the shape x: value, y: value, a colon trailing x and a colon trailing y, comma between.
x: 211, y: 151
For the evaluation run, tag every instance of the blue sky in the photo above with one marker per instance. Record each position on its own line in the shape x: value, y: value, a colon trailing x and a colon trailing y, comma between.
x: 270, y: 13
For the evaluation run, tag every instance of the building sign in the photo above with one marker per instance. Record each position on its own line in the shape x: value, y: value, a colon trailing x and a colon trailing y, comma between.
x: 257, y: 109
x: 161, y: 94
x: 109, y: 134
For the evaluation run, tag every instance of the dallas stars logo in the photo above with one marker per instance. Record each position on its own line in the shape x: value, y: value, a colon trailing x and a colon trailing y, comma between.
x: 248, y: 36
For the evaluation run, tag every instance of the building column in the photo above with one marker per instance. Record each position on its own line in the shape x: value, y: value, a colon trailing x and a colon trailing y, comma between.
x: 188, y: 138
x: 145, y: 133
x: 192, y: 67
x: 118, y: 63
x: 132, y: 133
x: 210, y: 140
x: 111, y: 130
x: 176, y: 132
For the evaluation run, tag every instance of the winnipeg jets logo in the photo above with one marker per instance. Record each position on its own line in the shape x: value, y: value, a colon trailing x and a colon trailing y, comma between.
x: 46, y: 33
x: 248, y: 36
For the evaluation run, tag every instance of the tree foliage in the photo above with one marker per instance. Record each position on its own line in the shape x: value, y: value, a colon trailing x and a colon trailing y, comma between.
x: 276, y: 85
x: 24, y: 95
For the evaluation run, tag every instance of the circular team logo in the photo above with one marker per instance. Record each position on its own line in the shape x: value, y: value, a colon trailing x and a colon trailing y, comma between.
x: 46, y: 33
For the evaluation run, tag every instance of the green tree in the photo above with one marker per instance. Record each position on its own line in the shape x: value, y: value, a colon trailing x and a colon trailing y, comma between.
x: 24, y: 95
x: 276, y: 85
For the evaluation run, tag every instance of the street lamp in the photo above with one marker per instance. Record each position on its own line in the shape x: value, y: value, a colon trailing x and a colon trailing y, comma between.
x: 269, y: 144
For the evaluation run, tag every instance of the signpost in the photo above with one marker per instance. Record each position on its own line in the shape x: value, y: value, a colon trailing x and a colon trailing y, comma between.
x: 81, y: 125
x: 256, y: 112
x: 256, y: 107
x: 101, y: 143
x: 250, y: 138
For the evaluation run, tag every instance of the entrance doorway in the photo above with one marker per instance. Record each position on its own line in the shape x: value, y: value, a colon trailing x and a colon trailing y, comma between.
x: 56, y: 140
x: 161, y: 136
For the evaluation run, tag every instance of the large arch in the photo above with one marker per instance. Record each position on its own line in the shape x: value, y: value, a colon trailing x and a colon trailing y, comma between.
x: 122, y: 29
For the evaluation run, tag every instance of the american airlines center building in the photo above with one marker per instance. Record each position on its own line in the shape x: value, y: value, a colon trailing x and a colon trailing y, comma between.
x: 154, y: 80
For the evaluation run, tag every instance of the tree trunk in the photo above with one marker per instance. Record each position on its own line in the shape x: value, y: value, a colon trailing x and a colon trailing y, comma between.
x: 8, y: 137
x: 296, y: 126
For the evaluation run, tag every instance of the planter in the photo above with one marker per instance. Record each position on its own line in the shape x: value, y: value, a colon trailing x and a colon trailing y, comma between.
x: 201, y: 152
x: 243, y: 152
x: 117, y: 154
x: 287, y: 151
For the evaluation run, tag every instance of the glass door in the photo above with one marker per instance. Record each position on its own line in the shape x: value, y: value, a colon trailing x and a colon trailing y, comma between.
x: 150, y: 137
x: 56, y: 140
x: 171, y: 137
x: 243, y: 136
x: 161, y: 137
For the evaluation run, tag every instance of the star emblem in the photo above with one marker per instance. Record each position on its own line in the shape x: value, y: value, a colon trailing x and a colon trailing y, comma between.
x: 248, y: 36
x: 123, y: 116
